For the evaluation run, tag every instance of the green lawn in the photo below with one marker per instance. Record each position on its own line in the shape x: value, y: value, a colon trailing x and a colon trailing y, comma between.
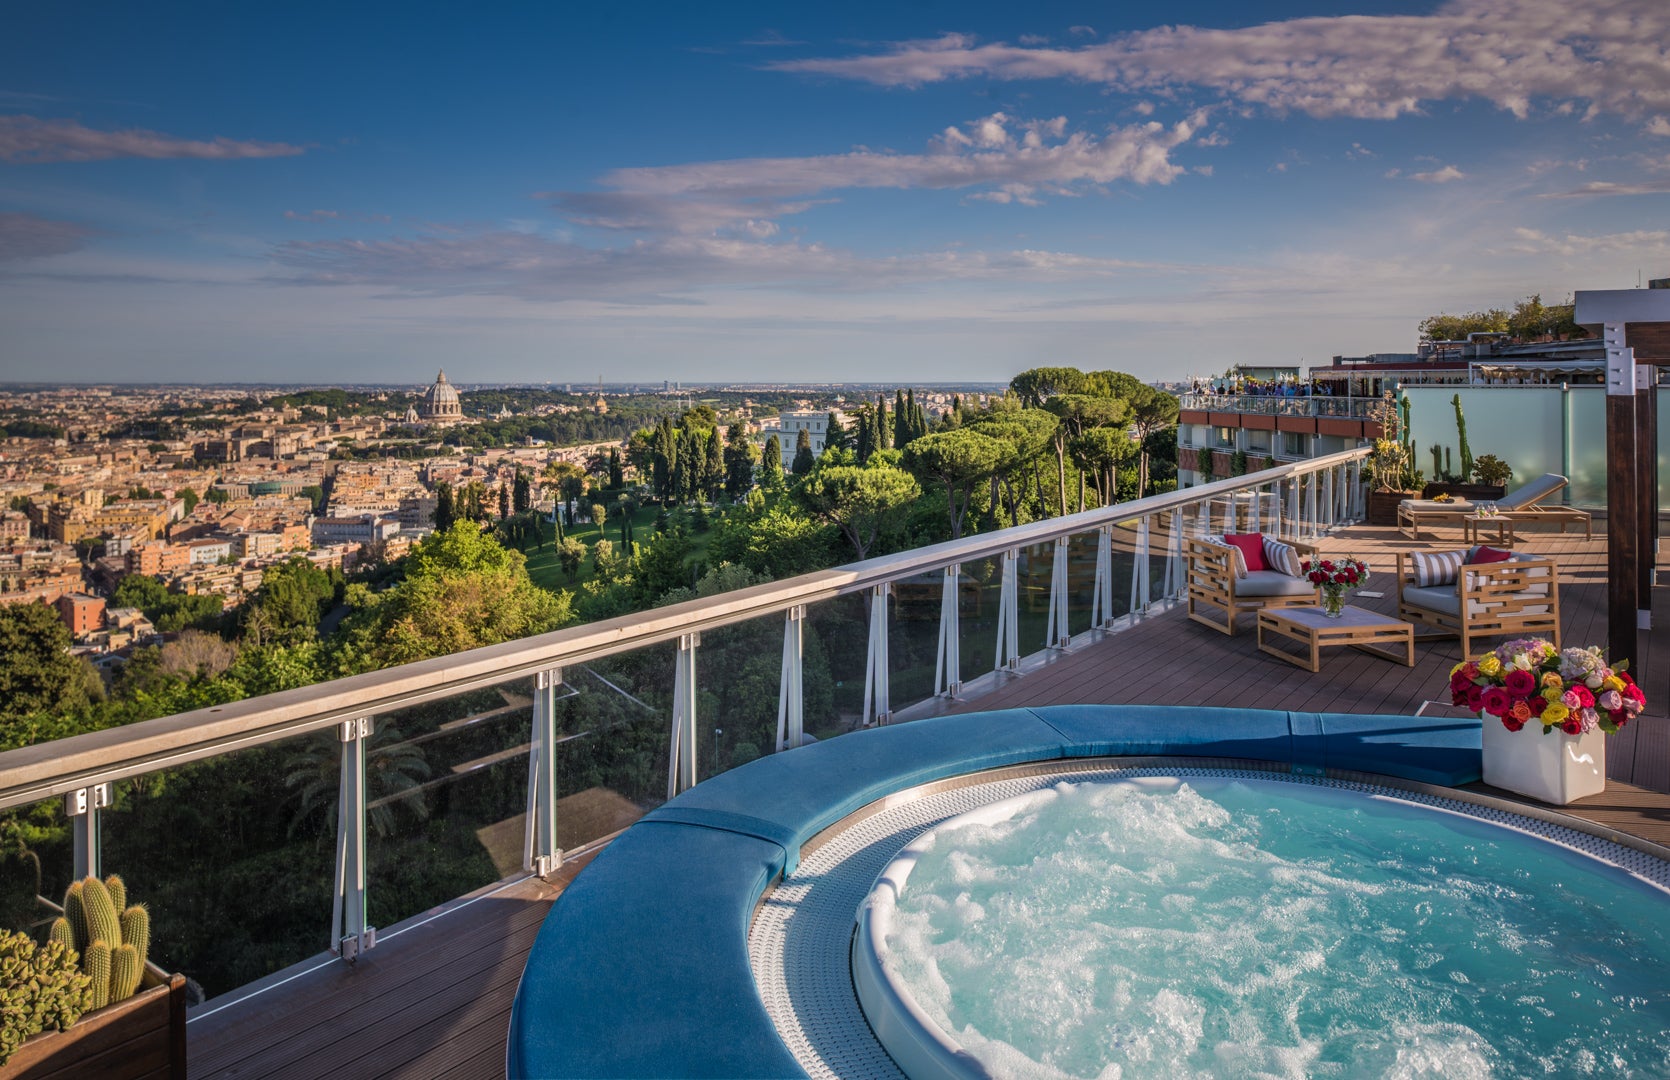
x: 546, y: 571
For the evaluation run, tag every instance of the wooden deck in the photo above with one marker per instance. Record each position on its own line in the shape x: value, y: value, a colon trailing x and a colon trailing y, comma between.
x: 428, y: 1002
x: 1172, y: 659
x: 434, y: 1000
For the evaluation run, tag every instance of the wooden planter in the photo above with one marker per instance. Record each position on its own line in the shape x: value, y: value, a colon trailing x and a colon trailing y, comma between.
x: 1470, y: 492
x: 1382, y: 506
x: 144, y: 1036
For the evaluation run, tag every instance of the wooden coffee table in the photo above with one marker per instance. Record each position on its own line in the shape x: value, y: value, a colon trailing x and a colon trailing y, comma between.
x: 1356, y: 627
x: 1473, y: 527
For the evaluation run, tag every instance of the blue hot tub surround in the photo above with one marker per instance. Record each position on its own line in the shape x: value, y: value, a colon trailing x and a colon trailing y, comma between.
x: 642, y: 968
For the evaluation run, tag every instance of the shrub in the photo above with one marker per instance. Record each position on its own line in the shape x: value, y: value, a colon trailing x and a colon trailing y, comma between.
x: 1490, y: 469
x: 41, y: 989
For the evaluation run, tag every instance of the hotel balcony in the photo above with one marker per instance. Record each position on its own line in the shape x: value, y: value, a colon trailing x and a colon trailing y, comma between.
x: 366, y: 862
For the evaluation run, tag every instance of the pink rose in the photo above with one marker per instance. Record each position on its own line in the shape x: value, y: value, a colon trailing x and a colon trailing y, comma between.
x: 1570, y: 700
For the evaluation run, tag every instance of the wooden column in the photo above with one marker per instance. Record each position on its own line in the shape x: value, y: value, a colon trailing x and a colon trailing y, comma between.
x: 1622, y: 495
x: 1646, y: 487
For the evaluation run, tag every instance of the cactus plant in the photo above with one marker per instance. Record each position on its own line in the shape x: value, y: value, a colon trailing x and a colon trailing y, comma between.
x: 42, y: 988
x: 95, y: 961
x: 125, y: 970
x: 113, y: 940
x: 103, y: 922
x: 62, y: 933
x: 136, y: 930
x: 1461, y: 430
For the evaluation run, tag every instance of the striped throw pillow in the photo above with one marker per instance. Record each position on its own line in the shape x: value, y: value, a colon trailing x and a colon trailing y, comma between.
x: 1239, y: 560
x: 1437, y: 567
x: 1280, y: 557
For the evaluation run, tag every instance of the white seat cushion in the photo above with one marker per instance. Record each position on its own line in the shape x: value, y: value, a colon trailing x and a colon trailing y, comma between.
x: 1272, y: 583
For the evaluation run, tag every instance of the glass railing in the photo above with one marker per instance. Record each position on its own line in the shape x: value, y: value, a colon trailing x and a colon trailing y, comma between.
x: 1281, y: 405
x: 263, y: 831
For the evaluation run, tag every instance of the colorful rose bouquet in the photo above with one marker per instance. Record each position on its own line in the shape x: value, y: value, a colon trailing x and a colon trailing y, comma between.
x: 1529, y: 679
x: 1335, y: 577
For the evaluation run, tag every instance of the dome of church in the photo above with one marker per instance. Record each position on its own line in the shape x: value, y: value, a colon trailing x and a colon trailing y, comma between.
x: 441, y: 402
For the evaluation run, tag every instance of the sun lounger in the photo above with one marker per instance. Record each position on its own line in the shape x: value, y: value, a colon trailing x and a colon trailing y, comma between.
x: 1521, y: 505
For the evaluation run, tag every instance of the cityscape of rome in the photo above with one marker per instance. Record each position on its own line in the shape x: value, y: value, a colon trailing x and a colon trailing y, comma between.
x: 868, y: 540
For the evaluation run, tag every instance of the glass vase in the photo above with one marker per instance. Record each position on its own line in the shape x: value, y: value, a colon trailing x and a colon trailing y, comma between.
x: 1333, y: 603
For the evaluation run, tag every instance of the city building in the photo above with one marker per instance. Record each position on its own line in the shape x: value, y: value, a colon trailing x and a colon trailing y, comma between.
x: 83, y: 614
x: 364, y: 529
x: 811, y: 421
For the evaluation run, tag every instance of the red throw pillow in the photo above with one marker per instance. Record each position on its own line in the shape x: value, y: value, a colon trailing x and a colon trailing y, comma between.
x: 1490, y: 554
x: 1252, y: 549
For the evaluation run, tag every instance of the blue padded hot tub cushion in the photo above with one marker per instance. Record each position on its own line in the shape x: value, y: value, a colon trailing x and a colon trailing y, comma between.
x: 603, y: 996
x: 789, y: 798
x: 1171, y: 730
x: 1426, y: 749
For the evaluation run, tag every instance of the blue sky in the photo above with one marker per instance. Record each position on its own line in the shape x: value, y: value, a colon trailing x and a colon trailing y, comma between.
x: 923, y: 192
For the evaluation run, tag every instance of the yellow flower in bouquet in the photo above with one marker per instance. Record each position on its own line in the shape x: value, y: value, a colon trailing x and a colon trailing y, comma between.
x: 1555, y: 713
x: 1489, y: 665
x: 1551, y: 681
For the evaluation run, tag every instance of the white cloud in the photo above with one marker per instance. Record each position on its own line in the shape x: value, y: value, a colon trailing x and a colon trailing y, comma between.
x: 1610, y: 55
x: 311, y: 215
x: 25, y: 236
x: 27, y: 140
x: 1658, y: 125
x: 1653, y: 242
x: 999, y: 154
x: 1439, y: 176
x: 1603, y: 188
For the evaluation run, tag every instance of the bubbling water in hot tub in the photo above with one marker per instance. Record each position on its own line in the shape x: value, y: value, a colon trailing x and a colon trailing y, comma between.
x: 1242, y: 928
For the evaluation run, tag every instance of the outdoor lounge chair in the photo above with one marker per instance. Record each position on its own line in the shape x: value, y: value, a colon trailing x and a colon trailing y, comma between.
x: 1216, y: 584
x: 1521, y: 505
x: 1518, y: 597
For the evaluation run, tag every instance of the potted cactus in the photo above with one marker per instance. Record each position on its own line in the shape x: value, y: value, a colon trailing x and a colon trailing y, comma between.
x: 134, y: 1023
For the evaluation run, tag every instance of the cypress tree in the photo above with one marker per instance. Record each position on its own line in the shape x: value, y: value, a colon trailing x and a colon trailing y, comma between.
x: 863, y: 438
x: 771, y: 463
x: 504, y: 502
x: 884, y: 429
x: 803, y: 460
x: 713, y: 466
x: 617, y: 472
x: 901, y: 421
x: 834, y: 435
x: 445, y: 510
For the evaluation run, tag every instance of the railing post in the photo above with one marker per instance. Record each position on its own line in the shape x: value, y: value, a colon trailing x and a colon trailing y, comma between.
x: 82, y: 807
x: 1101, y: 599
x: 540, y: 853
x: 1331, y: 513
x: 681, y: 755
x: 1008, y: 615
x: 1056, y: 634
x: 350, y: 934
x: 1139, y: 569
x: 1356, y: 511
x: 1257, y: 497
x: 877, y: 709
x: 948, y: 663
x: 791, y: 700
x: 1310, y: 506
x: 1174, y: 556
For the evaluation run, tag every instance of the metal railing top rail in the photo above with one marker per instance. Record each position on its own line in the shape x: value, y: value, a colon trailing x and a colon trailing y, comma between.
x: 37, y: 772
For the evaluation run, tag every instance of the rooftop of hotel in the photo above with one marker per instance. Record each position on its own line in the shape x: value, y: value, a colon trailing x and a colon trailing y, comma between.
x: 434, y: 997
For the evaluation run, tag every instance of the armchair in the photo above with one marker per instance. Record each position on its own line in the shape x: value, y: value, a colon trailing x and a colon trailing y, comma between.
x: 1220, y: 587
x: 1517, y: 596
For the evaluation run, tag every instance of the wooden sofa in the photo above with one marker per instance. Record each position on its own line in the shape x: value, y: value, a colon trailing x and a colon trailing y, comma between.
x: 1218, y: 593
x: 1517, y: 598
x: 1525, y: 504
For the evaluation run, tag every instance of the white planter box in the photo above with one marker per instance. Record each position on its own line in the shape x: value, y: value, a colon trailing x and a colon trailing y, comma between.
x: 1556, y: 768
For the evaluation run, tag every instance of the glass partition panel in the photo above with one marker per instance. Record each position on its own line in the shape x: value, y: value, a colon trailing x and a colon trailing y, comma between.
x: 446, y: 799
x: 836, y: 648
x: 739, y: 672
x: 614, y: 726
x: 1081, y: 581
x: 979, y: 596
x: 1032, y: 593
x: 234, y: 857
x: 913, y: 637
x: 1124, y: 564
x: 37, y: 861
